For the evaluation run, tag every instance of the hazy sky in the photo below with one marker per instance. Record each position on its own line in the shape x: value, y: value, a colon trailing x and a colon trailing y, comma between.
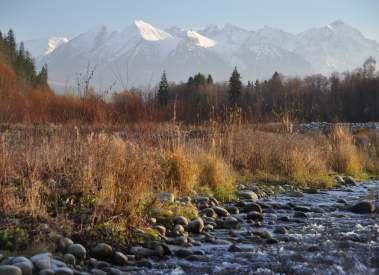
x: 43, y: 18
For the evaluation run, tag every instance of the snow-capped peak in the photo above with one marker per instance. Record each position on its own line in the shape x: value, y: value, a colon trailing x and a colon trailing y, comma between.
x: 201, y: 40
x: 149, y: 32
x: 55, y: 42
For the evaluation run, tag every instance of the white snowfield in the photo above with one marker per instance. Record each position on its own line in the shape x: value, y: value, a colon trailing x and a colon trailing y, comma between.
x: 150, y: 33
x: 201, y: 40
x: 55, y: 42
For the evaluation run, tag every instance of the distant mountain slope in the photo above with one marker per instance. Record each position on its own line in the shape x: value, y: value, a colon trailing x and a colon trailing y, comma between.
x: 137, y: 55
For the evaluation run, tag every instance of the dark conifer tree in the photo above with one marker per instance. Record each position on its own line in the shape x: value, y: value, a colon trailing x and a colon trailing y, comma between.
x: 209, y: 79
x: 235, y: 87
x: 163, y: 91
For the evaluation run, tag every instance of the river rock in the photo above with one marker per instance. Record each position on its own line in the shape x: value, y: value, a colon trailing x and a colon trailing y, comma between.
x: 69, y: 259
x: 208, y: 212
x: 300, y: 215
x: 233, y: 210
x: 230, y: 223
x: 255, y: 216
x: 220, y: 211
x: 178, y: 230
x: 102, y: 251
x: 196, y: 225
x: 183, y: 253
x: 363, y: 207
x: 301, y: 209
x: 252, y: 207
x: 247, y: 195
x: 63, y: 244
x: 49, y: 271
x: 280, y: 230
x: 161, y: 229
x: 181, y: 220
x: 120, y: 258
x: 10, y: 270
x: 78, y: 251
x: 350, y: 181
x: 24, y: 264
x: 339, y: 180
x: 142, y: 252
x: 42, y: 261
x: 63, y: 271
x: 96, y: 271
x: 166, y: 197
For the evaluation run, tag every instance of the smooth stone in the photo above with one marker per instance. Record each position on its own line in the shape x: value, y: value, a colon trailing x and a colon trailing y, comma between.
x: 10, y: 270
x: 178, y: 230
x: 252, y: 207
x: 255, y: 216
x: 102, y: 251
x: 42, y: 261
x: 142, y: 252
x: 233, y: 210
x: 63, y: 244
x: 350, y: 180
x: 301, y: 209
x: 220, y: 211
x: 272, y: 241
x: 47, y: 272
x: 69, y: 259
x: 208, y: 212
x: 183, y: 253
x: 96, y: 271
x: 24, y: 264
x: 161, y: 229
x: 120, y: 258
x: 283, y: 219
x: 230, y: 223
x: 196, y: 225
x: 280, y: 230
x: 247, y: 195
x: 78, y: 251
x: 63, y: 271
x: 180, y: 220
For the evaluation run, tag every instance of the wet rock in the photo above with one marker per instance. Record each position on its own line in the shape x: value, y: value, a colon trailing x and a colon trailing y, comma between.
x: 182, y: 241
x: 247, y: 195
x: 252, y: 207
x: 235, y: 248
x: 233, y: 210
x: 96, y: 271
x: 10, y: 270
x: 283, y: 219
x: 280, y: 230
x: 78, y: 251
x: 161, y: 229
x: 142, y: 252
x: 197, y: 258
x: 312, y: 191
x: 208, y: 212
x: 69, y: 259
x: 181, y: 220
x: 301, y: 209
x: 200, y: 200
x: 363, y: 207
x: 300, y: 215
x: 24, y: 264
x: 63, y: 271
x: 296, y: 193
x: 220, y: 211
x: 196, y: 225
x: 255, y: 216
x: 47, y: 272
x: 230, y: 223
x: 339, y: 180
x: 272, y: 241
x: 183, y: 253
x: 209, y: 227
x: 63, y: 244
x: 102, y: 251
x: 166, y: 197
x: 342, y: 201
x: 42, y: 261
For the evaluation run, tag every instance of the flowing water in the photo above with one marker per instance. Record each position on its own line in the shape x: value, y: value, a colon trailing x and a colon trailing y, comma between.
x: 329, y: 239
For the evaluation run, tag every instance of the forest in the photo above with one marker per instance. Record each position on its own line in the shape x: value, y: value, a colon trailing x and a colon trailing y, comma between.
x: 27, y: 98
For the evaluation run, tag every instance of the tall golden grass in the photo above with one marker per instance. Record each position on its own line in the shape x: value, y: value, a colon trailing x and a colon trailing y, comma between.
x: 86, y: 177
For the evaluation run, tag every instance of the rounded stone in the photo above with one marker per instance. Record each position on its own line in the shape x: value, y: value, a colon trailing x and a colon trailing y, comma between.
x: 181, y: 220
x: 255, y: 216
x: 120, y: 258
x: 102, y: 251
x: 196, y: 225
x: 63, y: 244
x: 69, y: 259
x: 77, y: 250
x: 363, y: 207
x: 42, y: 261
x: 252, y: 207
x: 10, y: 270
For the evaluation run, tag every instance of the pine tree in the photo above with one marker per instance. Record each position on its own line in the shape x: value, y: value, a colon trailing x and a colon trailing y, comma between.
x: 41, y: 79
x: 235, y: 87
x: 163, y: 91
x: 209, y: 79
x: 190, y: 81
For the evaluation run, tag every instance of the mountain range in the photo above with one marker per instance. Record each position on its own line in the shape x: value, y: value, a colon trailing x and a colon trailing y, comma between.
x: 137, y: 55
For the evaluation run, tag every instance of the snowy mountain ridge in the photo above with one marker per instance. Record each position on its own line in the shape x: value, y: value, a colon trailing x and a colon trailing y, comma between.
x: 147, y: 51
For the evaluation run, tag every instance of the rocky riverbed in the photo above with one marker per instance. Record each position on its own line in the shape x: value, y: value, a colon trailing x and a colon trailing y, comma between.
x: 289, y: 231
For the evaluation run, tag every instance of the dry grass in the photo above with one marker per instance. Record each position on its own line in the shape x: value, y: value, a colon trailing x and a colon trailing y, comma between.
x: 80, y: 180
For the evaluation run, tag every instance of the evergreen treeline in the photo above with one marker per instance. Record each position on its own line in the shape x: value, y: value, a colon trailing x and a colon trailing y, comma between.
x: 20, y: 61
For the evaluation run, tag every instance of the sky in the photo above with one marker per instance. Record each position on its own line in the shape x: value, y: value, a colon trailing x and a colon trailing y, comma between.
x: 32, y: 19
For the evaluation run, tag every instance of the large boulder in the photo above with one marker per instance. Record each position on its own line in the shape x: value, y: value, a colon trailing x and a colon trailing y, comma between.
x: 363, y: 207
x: 196, y: 225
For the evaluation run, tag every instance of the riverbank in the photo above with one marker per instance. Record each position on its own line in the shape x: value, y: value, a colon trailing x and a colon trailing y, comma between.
x: 100, y: 185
